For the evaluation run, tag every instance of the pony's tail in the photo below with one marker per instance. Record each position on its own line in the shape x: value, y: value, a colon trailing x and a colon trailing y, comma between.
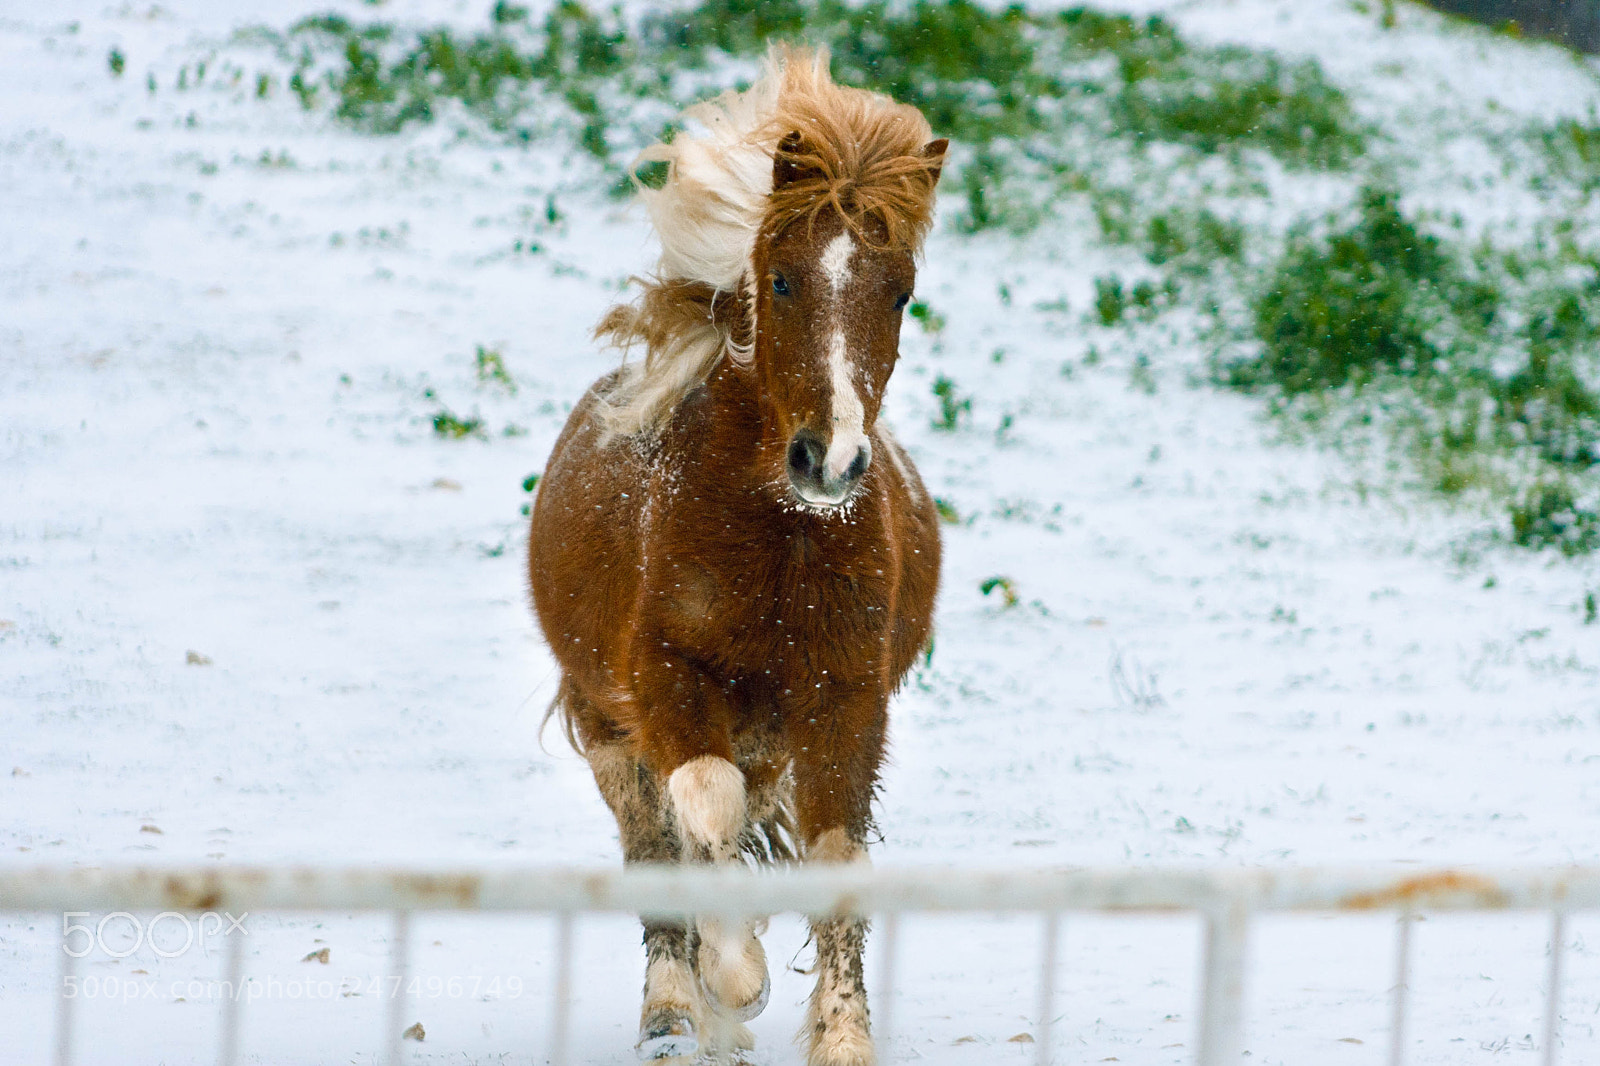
x: 561, y: 709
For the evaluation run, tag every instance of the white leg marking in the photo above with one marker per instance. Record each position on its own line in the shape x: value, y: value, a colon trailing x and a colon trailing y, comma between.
x: 733, y: 965
x: 708, y: 794
x: 834, y: 845
x: 722, y: 1035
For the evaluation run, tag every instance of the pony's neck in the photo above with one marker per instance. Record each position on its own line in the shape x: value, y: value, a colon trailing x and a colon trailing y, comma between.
x: 734, y: 430
x: 734, y: 410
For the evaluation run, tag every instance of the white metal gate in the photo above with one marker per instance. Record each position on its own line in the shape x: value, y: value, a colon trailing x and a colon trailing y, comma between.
x: 1225, y: 899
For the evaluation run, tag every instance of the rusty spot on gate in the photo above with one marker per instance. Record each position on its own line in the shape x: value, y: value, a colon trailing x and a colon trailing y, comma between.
x: 1415, y: 893
x: 188, y: 895
x: 463, y: 889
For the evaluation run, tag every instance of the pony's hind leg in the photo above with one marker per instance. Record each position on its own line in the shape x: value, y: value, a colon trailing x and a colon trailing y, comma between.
x: 673, y: 1019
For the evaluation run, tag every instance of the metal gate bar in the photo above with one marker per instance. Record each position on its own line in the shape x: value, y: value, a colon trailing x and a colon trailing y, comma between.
x: 1047, y: 984
x: 1552, y: 1001
x: 1402, y: 988
x: 562, y: 995
x: 228, y: 1054
x: 1222, y: 986
x: 1226, y: 899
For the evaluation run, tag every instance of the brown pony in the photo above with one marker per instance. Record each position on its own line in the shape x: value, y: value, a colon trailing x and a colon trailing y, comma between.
x: 733, y: 561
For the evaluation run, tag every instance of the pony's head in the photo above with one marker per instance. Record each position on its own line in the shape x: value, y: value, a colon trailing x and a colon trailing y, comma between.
x: 831, y: 274
x: 790, y: 227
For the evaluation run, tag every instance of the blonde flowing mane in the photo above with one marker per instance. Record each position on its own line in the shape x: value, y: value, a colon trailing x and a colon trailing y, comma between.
x: 858, y: 152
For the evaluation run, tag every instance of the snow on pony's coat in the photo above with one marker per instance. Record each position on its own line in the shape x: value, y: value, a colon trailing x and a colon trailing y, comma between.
x: 865, y: 157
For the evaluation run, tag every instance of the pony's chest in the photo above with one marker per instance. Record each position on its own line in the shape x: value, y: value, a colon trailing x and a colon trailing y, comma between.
x: 782, y: 597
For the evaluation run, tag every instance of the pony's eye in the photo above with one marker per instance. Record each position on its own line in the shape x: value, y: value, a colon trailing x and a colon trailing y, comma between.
x: 780, y: 285
x: 901, y: 301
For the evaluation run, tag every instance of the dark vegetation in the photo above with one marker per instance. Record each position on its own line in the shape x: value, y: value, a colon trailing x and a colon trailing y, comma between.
x: 1496, y: 384
x: 995, y: 81
x: 1575, y: 23
x: 952, y: 405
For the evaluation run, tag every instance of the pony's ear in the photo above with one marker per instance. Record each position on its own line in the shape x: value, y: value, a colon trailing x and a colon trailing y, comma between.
x: 788, y: 164
x: 935, y: 150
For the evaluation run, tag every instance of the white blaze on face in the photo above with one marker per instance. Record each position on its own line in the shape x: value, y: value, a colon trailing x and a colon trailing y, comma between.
x: 835, y: 262
x: 849, y: 417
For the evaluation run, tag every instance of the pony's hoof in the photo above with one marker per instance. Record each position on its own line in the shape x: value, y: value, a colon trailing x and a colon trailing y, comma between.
x: 743, y: 1013
x: 667, y: 1035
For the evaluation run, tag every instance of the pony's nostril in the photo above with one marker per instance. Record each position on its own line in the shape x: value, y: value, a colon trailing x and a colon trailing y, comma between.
x: 806, y: 454
x: 859, y: 465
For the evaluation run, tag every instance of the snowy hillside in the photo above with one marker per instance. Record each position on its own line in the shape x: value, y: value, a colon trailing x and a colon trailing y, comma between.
x: 261, y: 576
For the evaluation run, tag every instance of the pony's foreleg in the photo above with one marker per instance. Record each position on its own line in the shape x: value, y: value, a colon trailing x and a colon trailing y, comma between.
x: 673, y: 1018
x: 708, y: 796
x: 837, y: 752
x: 687, y: 735
x: 837, y: 1029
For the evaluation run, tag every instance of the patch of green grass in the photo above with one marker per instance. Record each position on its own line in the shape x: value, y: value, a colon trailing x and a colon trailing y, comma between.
x: 1005, y: 84
x: 1570, y: 151
x: 490, y: 366
x: 971, y: 70
x: 1349, y: 307
x: 1141, y: 376
x: 1546, y: 401
x: 1180, y: 235
x: 305, y: 90
x: 505, y: 14
x: 1235, y: 97
x: 1218, y: 97
x: 1112, y: 302
x: 989, y: 185
x: 447, y: 425
x: 952, y: 405
x: 1483, y: 365
x: 1003, y: 585
x: 931, y: 321
x: 1549, y: 516
x: 1109, y: 300
x: 475, y: 71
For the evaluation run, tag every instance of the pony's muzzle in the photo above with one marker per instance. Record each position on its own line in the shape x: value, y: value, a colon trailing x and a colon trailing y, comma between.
x: 809, y: 469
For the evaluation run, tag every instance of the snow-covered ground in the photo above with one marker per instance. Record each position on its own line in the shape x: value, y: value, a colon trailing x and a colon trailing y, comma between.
x: 220, y: 320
